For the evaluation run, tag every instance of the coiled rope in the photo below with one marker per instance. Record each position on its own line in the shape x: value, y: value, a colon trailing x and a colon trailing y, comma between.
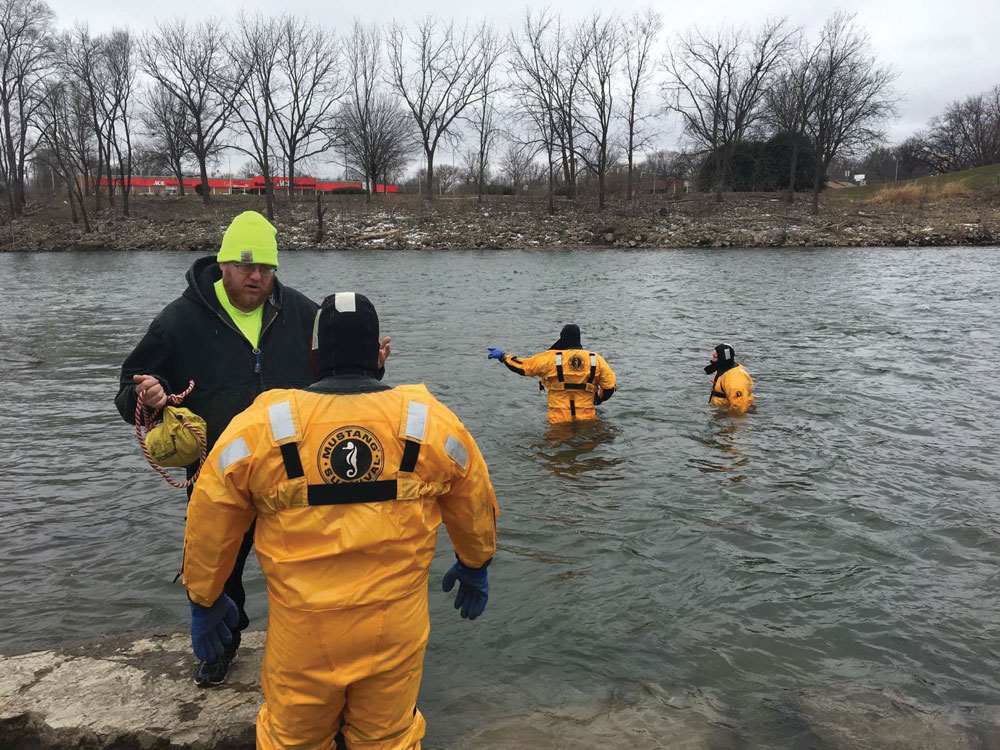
x: 146, y: 418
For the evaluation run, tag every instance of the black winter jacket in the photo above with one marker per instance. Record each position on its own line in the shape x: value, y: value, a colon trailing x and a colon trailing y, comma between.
x: 193, y: 338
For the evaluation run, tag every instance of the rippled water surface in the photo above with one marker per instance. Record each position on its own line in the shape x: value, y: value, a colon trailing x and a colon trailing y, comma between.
x: 665, y: 575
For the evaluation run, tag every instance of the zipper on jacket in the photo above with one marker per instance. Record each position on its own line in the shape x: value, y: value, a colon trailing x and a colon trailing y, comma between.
x: 255, y: 350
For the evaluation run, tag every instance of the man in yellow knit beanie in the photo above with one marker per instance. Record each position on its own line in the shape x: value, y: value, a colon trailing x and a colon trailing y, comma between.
x: 236, y: 331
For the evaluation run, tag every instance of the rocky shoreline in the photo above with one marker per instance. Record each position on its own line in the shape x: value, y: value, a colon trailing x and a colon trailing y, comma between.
x: 406, y: 223
x: 134, y: 692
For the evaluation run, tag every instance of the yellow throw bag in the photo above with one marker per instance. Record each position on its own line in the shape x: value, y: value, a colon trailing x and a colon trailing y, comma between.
x: 171, y: 443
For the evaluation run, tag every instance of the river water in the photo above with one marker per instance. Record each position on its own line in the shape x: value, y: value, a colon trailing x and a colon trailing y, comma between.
x: 809, y: 575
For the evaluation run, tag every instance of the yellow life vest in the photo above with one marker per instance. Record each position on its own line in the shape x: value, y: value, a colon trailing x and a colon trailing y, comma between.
x: 572, y: 377
x: 348, y: 491
x: 733, y: 389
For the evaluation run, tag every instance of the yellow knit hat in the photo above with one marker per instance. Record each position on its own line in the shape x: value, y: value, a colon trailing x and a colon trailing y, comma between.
x: 249, y: 239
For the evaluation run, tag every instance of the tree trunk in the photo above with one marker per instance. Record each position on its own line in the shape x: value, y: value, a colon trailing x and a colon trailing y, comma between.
x: 482, y: 178
x: 13, y: 193
x: 291, y: 177
x: 179, y: 174
x: 631, y: 163
x: 817, y: 176
x: 430, y: 174
x: 206, y: 191
x: 793, y: 172
x: 72, y: 200
x: 97, y: 177
x: 83, y: 211
x: 319, y: 218
x: 720, y: 176
x: 268, y: 189
x: 602, y: 168
x: 552, y: 180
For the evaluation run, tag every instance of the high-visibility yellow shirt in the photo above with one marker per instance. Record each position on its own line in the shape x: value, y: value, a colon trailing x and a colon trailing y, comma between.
x: 249, y: 323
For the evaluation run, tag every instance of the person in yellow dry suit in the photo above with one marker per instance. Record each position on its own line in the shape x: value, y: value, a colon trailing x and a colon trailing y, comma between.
x: 348, y: 480
x: 732, y: 385
x: 577, y: 380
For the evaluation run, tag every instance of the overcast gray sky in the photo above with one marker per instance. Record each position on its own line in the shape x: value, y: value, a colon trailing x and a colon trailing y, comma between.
x: 943, y: 51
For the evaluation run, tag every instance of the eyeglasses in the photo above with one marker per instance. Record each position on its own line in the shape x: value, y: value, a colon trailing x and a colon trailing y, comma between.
x: 248, y: 268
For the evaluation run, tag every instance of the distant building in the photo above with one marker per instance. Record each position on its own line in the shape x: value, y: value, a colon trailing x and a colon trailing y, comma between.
x: 235, y: 185
x: 671, y: 186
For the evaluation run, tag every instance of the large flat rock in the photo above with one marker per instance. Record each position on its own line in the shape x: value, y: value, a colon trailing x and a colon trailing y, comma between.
x: 126, y: 694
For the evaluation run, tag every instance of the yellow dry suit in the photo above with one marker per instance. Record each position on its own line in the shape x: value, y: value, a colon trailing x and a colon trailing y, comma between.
x: 733, y: 389
x: 575, y: 379
x: 348, y: 491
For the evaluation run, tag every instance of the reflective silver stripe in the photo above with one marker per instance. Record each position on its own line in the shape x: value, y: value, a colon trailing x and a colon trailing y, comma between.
x: 316, y: 331
x: 593, y: 360
x: 282, y: 424
x: 416, y: 420
x: 344, y: 302
x: 558, y: 359
x: 235, y: 451
x: 454, y: 448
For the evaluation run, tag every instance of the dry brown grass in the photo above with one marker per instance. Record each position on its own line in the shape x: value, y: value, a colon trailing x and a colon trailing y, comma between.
x: 902, y: 195
x: 954, y: 190
x: 911, y: 194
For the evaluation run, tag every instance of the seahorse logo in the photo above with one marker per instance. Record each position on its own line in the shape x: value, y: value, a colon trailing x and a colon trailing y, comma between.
x: 352, y: 459
x: 350, y: 454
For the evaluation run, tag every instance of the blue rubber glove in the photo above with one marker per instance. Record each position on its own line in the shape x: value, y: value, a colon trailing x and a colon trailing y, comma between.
x: 212, y: 627
x: 495, y: 354
x: 473, y: 588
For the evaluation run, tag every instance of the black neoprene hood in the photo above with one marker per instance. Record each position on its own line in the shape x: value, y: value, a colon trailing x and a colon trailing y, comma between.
x: 345, y: 336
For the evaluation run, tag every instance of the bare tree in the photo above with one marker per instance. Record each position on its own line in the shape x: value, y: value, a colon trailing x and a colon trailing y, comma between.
x: 604, y: 43
x: 65, y: 134
x: 254, y: 49
x: 120, y: 59
x: 567, y: 57
x: 915, y: 157
x: 791, y: 98
x: 439, y: 73
x: 25, y: 60
x: 516, y: 165
x: 191, y: 63
x: 535, y: 89
x: 969, y: 131
x: 717, y: 82
x: 854, y: 99
x: 484, y: 114
x: 672, y: 164
x: 640, y: 35
x: 84, y: 64
x: 375, y: 131
x: 165, y: 120
x: 307, y: 61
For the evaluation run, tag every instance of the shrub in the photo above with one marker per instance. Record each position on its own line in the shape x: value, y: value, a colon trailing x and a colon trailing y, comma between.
x: 954, y: 190
x: 902, y: 195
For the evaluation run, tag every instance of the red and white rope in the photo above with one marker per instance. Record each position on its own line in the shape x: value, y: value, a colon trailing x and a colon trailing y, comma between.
x: 147, y: 418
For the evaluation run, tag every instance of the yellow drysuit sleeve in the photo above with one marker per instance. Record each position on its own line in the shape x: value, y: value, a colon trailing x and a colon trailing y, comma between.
x: 220, y: 511
x: 469, y: 507
x: 535, y: 366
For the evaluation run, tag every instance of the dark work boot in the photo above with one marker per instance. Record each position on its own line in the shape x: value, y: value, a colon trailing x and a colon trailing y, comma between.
x: 213, y: 673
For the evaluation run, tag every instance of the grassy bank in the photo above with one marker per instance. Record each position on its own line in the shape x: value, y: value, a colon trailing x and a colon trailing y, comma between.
x: 950, y: 184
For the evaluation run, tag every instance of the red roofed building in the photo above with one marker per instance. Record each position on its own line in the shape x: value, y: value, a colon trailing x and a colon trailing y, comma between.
x: 235, y: 185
